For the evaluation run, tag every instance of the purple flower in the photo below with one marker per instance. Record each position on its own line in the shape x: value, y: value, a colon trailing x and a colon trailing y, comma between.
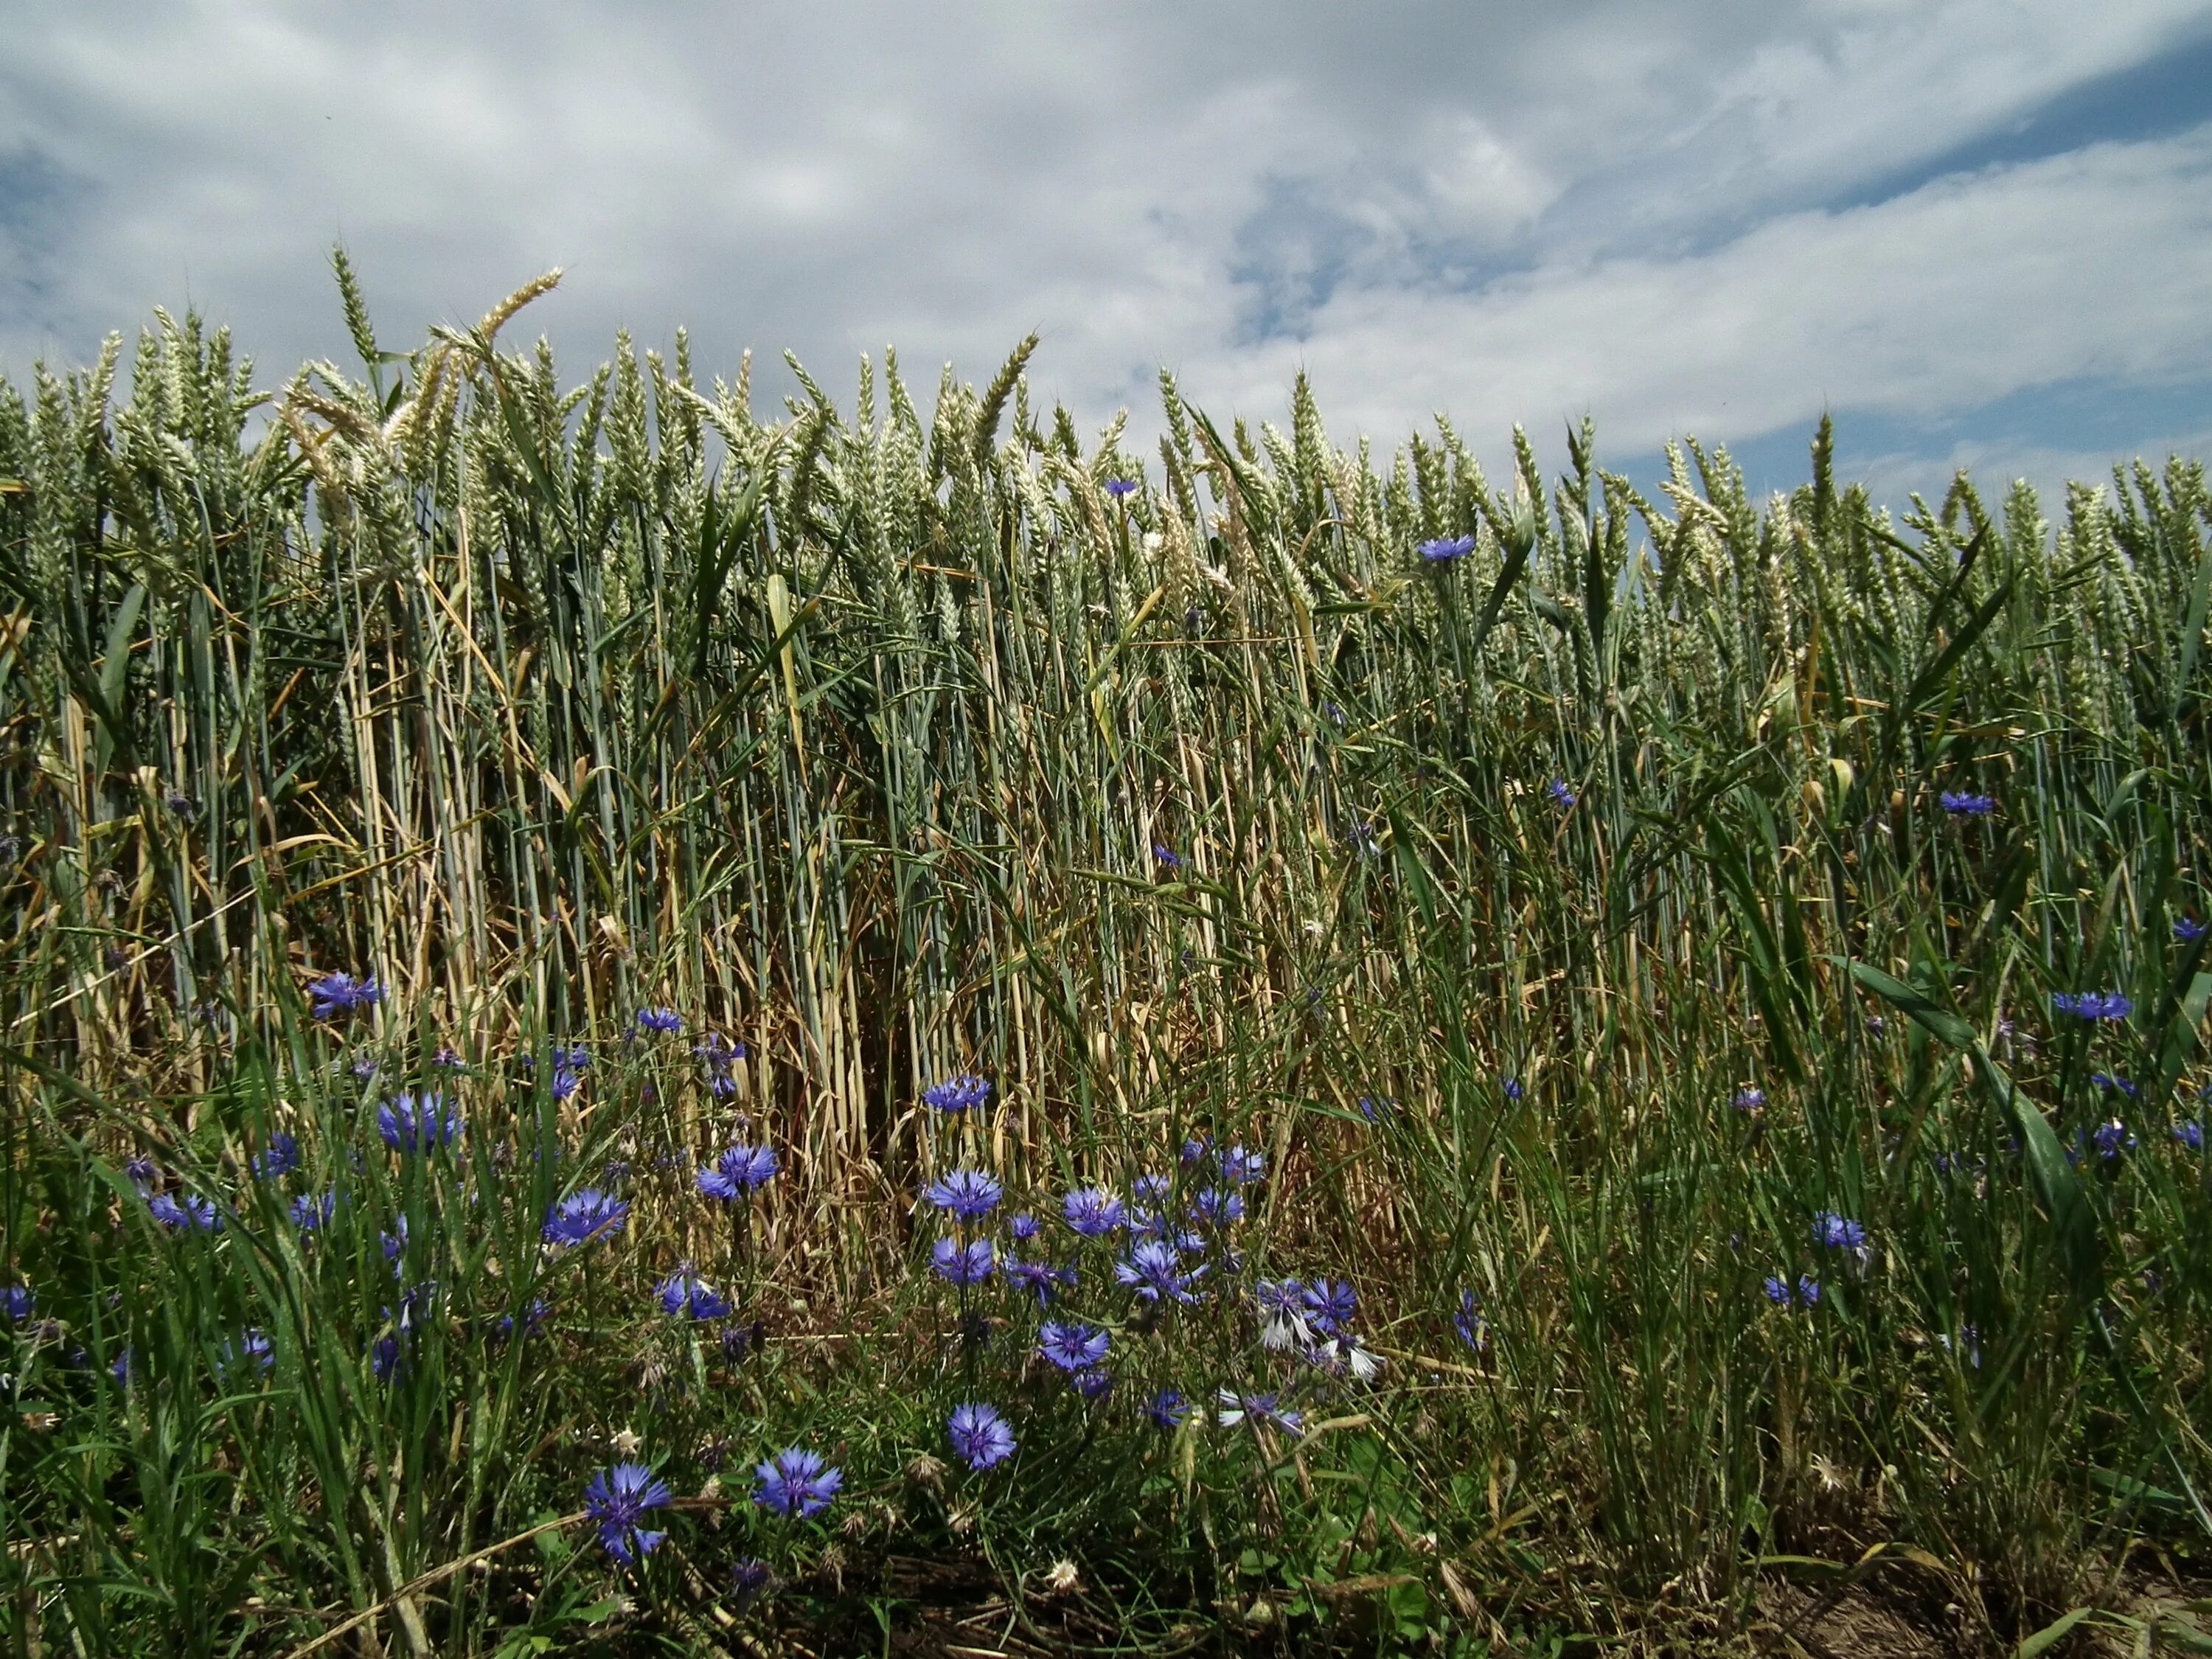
x: 1441, y: 548
x: 666, y: 1020
x: 1092, y: 1382
x: 963, y: 1093
x: 17, y: 1301
x: 795, y: 1482
x: 310, y: 1212
x: 1118, y: 488
x: 1512, y: 1088
x: 1960, y: 803
x: 1041, y: 1278
x: 1217, y: 1207
x: 1240, y: 1167
x: 384, y: 1356
x: 584, y: 1215
x: 2093, y: 1006
x: 1071, y: 1346
x: 2191, y: 1134
x: 567, y: 1079
x: 411, y: 1123
x: 748, y: 1578
x: 963, y: 1264
x: 251, y: 1349
x: 2188, y: 930
x: 1808, y: 1289
x: 968, y: 1195
x: 1330, y: 1304
x: 738, y: 1172
x: 1093, y: 1212
x: 279, y: 1157
x: 1149, y: 1188
x: 1022, y: 1228
x: 1169, y: 1409
x: 2112, y: 1085
x: 1777, y: 1289
x: 1837, y: 1232
x: 1780, y: 1291
x: 1258, y: 1408
x: 2110, y: 1138
x: 683, y: 1292
x: 342, y: 994
x: 1473, y: 1329
x: 980, y: 1435
x: 1561, y: 795
x: 1750, y: 1099
x: 617, y: 1499
x: 1195, y: 1150
x: 189, y: 1213
x: 395, y: 1241
x: 1154, y: 1270
x: 143, y: 1173
x: 1374, y: 1109
x: 448, y: 1059
x: 1167, y: 855
x: 533, y: 1316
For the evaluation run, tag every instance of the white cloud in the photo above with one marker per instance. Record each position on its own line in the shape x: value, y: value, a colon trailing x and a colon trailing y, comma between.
x: 1512, y: 214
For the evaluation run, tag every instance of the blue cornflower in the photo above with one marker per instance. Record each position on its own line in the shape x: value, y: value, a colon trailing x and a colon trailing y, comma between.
x: 1805, y: 1292
x: 310, y: 1212
x: 1092, y: 1211
x: 1195, y: 1150
x: 567, y: 1079
x: 342, y: 994
x: 17, y: 1301
x: 1150, y: 1189
x: 279, y: 1157
x: 2094, y: 1005
x: 2191, y: 1134
x: 1512, y: 1088
x: 980, y: 1435
x: 125, y: 1369
x: 1750, y: 1099
x: 1561, y: 795
x: 795, y: 1482
x: 1041, y: 1278
x: 1169, y: 1409
x: 2188, y: 930
x: 395, y: 1242
x: 535, y: 1314
x: 963, y: 1264
x: 384, y: 1356
x: 252, y: 1349
x: 2112, y: 1085
x: 1071, y: 1346
x: 968, y: 1195
x: 617, y: 1499
x: 412, y: 1123
x: 1118, y: 488
x: 1259, y: 1408
x: 683, y: 1292
x: 584, y: 1215
x: 2111, y: 1138
x: 448, y: 1059
x: 1167, y: 855
x: 1837, y: 1232
x: 1777, y: 1289
x: 1240, y: 1167
x: 1473, y: 1329
x: 1374, y: 1108
x: 748, y: 1578
x: 1154, y: 1270
x: 1092, y: 1382
x: 1441, y: 548
x: 1808, y: 1289
x: 144, y: 1173
x: 1217, y: 1206
x: 1961, y: 803
x: 1022, y: 1228
x: 737, y: 1172
x: 1330, y: 1304
x: 1283, y: 1305
x: 189, y: 1213
x: 363, y: 1068
x: 660, y: 1019
x: 963, y: 1093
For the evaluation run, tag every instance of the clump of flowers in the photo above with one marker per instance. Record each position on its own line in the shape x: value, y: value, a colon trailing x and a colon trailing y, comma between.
x: 1963, y: 803
x: 617, y: 1499
x: 186, y: 1212
x: 279, y: 1157
x: 1805, y: 1293
x: 1562, y: 797
x: 684, y: 1294
x: 665, y: 1021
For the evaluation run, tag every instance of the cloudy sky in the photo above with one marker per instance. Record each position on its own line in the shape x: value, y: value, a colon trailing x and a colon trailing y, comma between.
x: 1979, y: 231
